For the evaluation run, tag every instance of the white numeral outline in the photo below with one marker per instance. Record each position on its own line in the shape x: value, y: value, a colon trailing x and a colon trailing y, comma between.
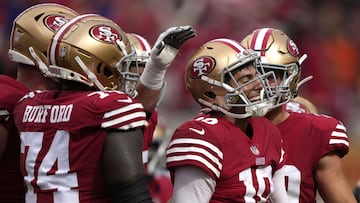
x: 261, y: 174
x: 61, y: 181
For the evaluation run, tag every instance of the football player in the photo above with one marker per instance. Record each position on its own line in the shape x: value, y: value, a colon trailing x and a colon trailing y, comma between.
x: 83, y: 143
x: 150, y: 97
x: 130, y: 78
x: 314, y: 143
x: 155, y: 61
x: 227, y: 153
x: 34, y: 27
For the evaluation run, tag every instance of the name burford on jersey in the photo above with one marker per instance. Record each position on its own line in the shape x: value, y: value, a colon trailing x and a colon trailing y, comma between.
x: 62, y: 137
x: 85, y: 109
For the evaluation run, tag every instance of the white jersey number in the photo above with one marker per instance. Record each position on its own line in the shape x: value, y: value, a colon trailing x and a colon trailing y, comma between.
x: 293, y: 179
x: 261, y: 174
x: 43, y: 176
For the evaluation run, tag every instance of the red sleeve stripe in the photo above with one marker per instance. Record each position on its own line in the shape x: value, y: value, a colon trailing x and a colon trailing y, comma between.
x: 341, y: 127
x: 196, y: 158
x: 339, y: 141
x: 195, y: 150
x: 188, y: 150
x: 136, y: 124
x: 199, y: 142
x: 126, y: 108
x: 338, y: 134
x: 139, y: 118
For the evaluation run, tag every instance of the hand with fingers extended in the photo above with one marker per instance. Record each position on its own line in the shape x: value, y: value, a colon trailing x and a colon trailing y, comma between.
x: 163, y: 53
x: 174, y: 37
x: 168, y: 43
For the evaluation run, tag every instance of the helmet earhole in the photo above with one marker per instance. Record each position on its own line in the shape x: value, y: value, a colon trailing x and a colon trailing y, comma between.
x: 107, y: 72
x: 210, y: 95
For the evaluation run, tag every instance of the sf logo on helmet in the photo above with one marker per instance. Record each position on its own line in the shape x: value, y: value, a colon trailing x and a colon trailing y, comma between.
x: 202, y: 66
x: 54, y: 22
x: 104, y: 33
x: 292, y: 48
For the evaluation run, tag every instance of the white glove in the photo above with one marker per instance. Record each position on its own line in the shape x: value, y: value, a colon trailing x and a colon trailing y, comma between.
x: 163, y: 53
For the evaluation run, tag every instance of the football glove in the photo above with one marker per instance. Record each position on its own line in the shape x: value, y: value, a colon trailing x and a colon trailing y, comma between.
x: 163, y: 53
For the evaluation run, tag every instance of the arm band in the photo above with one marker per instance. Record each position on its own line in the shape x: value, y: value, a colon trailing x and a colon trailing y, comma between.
x: 153, y: 77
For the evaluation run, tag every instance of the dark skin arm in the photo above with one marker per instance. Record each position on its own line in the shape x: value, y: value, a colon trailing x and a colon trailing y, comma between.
x: 3, y: 139
x: 122, y: 156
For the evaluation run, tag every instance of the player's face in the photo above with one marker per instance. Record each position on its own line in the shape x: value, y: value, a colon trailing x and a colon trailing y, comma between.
x: 246, y: 75
x: 278, y: 75
x: 137, y: 68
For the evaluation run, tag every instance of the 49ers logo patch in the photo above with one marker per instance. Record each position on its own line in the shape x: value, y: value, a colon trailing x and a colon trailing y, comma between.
x: 105, y: 33
x: 202, y: 66
x: 292, y: 48
x: 54, y: 22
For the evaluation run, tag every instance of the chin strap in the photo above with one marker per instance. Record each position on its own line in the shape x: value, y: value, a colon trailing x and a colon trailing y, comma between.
x: 302, y: 58
x: 217, y: 83
x: 308, y: 78
x: 262, y: 108
x: 20, y: 58
x: 259, y: 109
x: 90, y: 75
x: 213, y: 107
x: 42, y: 66
x: 303, y: 81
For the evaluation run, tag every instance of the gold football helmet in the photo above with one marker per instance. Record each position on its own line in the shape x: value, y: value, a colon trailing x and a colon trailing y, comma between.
x: 131, y: 75
x: 90, y: 49
x: 141, y: 46
x: 210, y: 73
x: 279, y: 54
x: 35, y: 27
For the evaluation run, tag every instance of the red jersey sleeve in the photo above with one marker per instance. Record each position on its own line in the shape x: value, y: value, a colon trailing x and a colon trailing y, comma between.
x: 195, y: 143
x: 11, y: 92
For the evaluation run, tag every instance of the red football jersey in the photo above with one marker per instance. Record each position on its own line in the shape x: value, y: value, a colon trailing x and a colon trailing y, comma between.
x: 242, y: 167
x: 62, y: 136
x: 308, y: 137
x: 11, y: 92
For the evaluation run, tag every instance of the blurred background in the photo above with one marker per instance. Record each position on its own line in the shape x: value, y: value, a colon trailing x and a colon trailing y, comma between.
x: 327, y: 30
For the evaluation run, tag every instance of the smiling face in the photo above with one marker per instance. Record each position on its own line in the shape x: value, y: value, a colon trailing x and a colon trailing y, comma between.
x: 246, y: 80
x: 247, y: 88
x: 223, y: 76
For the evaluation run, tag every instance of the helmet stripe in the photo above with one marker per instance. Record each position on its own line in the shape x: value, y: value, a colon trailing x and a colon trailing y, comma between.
x: 144, y: 43
x: 253, y: 39
x: 54, y: 46
x: 260, y: 40
x: 233, y: 44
